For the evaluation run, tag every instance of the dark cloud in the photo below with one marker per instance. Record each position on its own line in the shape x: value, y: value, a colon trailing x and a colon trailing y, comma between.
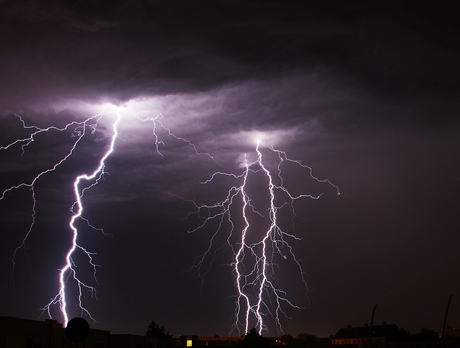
x: 123, y: 51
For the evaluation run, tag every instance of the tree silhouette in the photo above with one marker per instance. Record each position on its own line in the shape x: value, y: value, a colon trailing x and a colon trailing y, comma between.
x: 253, y: 339
x: 425, y: 335
x: 305, y: 340
x: 287, y: 339
x: 154, y: 330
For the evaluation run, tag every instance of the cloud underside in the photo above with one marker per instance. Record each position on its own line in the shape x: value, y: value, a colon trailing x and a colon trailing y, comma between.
x: 311, y: 53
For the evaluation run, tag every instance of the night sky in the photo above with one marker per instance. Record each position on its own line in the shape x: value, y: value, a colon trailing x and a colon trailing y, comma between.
x: 366, y: 93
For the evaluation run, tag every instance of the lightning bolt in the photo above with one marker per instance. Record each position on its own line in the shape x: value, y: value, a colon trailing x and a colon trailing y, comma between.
x: 78, y: 131
x: 261, y: 243
x: 68, y: 272
x: 69, y: 269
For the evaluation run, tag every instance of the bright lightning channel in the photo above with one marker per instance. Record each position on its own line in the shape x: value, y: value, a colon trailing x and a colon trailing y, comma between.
x: 254, y: 267
x: 79, y: 130
x: 78, y: 133
x: 69, y: 269
x: 81, y: 184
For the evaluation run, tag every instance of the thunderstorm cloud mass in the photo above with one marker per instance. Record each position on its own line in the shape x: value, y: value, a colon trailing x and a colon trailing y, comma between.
x: 353, y: 104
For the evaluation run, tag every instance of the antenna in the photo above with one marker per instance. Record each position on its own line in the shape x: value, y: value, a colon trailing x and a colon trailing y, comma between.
x: 372, y: 322
x: 445, y: 318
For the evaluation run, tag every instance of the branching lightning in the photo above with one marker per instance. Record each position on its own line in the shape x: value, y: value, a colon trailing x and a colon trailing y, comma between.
x: 79, y: 131
x: 82, y: 183
x: 259, y: 242
x: 69, y: 269
x: 258, y: 247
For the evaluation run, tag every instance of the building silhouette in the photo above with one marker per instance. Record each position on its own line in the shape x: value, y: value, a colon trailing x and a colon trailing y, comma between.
x: 377, y: 333
x: 25, y: 333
